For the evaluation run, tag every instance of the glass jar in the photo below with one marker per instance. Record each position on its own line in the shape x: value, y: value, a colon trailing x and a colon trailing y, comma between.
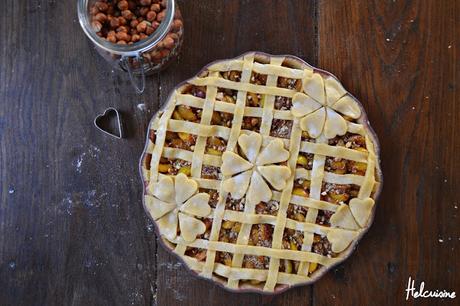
x: 137, y: 58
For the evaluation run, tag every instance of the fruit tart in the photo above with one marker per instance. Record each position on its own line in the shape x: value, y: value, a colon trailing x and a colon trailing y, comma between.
x: 261, y: 172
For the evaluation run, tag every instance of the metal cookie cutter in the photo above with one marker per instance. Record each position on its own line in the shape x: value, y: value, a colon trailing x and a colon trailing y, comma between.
x: 102, y: 122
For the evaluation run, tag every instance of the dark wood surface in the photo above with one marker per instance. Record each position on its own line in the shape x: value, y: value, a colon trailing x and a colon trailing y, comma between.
x: 72, y: 227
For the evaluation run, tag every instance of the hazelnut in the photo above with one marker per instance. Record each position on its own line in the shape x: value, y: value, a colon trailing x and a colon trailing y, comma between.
x: 123, y: 5
x: 123, y: 36
x: 112, y: 38
x: 102, y: 6
x: 122, y: 20
x: 173, y: 36
x: 97, y: 26
x: 122, y: 29
x: 155, y: 25
x: 141, y: 27
x: 161, y: 16
x: 101, y: 17
x: 135, y: 38
x: 93, y: 10
x: 168, y: 42
x: 142, y: 36
x: 145, y: 2
x: 149, y: 30
x: 151, y: 16
x: 132, y: 5
x: 177, y: 25
x: 114, y: 23
x: 127, y: 14
x: 155, y: 7
x: 143, y: 11
x: 121, y: 42
x: 134, y: 23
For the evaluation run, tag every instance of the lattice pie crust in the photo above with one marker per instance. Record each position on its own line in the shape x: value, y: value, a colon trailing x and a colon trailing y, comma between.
x: 261, y: 172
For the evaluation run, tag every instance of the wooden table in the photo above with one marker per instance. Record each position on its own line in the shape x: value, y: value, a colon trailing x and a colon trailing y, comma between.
x: 72, y: 227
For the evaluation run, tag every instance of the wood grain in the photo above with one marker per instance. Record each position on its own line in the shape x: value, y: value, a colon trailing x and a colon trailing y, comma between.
x: 72, y: 227
x: 400, y: 59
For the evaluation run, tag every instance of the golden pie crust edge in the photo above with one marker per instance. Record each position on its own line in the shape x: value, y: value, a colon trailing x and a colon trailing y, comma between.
x: 297, y: 63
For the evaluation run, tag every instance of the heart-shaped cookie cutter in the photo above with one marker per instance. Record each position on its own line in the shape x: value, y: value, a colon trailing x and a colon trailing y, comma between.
x: 119, y: 125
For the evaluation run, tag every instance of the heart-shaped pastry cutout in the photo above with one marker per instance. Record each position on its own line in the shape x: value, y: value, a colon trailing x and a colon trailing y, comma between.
x: 277, y: 176
x: 343, y: 218
x: 185, y: 188
x: 314, y: 87
x: 197, y: 205
x: 361, y: 210
x: 258, y: 191
x: 237, y: 185
x: 168, y: 225
x: 233, y: 164
x: 109, y: 123
x: 250, y: 145
x: 313, y: 123
x: 158, y: 208
x: 273, y: 153
x: 334, y: 90
x: 190, y: 227
x: 340, y: 239
x: 303, y: 105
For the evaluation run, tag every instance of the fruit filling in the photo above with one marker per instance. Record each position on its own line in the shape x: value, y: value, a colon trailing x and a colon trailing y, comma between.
x: 324, y: 217
x: 221, y: 118
x: 197, y: 253
x: 187, y: 113
x: 251, y: 123
x: 208, y: 223
x: 261, y: 235
x: 305, y: 160
x: 292, y: 240
x: 270, y: 208
x: 226, y: 95
x: 180, y: 140
x: 301, y: 188
x: 306, y: 137
x: 229, y: 231
x: 258, y: 79
x: 232, y: 75
x: 254, y: 100
x: 211, y: 172
x: 148, y: 159
x: 215, y: 145
x: 234, y: 204
x: 322, y: 246
x: 337, y: 193
x: 152, y: 135
x: 224, y: 258
x: 294, y: 84
x: 344, y: 166
x: 213, y: 196
x: 197, y: 91
x: 255, y: 262
x: 282, y: 103
x: 281, y: 128
x: 174, y: 166
x: 296, y: 212
x: 349, y: 140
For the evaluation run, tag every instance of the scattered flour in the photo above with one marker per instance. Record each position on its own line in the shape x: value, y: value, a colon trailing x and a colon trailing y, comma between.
x: 92, y: 152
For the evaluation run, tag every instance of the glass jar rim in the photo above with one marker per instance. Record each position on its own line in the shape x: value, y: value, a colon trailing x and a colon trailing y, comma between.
x: 125, y: 50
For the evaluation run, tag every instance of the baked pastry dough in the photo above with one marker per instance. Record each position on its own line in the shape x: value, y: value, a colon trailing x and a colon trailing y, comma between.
x: 261, y: 172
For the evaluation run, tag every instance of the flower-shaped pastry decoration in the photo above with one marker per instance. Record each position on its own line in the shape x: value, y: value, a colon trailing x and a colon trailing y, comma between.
x: 321, y: 106
x: 250, y: 174
x: 176, y: 202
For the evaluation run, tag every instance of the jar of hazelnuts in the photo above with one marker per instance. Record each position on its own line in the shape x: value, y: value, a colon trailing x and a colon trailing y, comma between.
x: 136, y: 36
